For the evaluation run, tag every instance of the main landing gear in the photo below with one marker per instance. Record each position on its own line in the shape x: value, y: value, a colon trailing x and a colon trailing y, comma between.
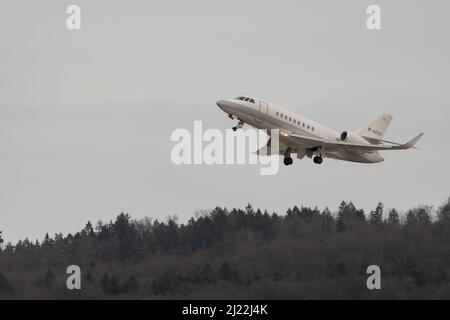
x: 239, y: 125
x: 316, y: 154
x: 287, y: 158
x: 318, y: 159
x: 288, y: 161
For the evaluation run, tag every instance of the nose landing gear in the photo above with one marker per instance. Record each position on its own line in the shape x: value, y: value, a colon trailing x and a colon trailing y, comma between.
x: 239, y: 125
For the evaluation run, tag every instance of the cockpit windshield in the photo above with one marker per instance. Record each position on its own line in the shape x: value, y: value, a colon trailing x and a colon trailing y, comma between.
x: 245, y: 99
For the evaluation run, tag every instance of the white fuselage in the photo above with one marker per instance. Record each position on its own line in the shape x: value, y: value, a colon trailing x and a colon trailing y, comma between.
x: 263, y: 115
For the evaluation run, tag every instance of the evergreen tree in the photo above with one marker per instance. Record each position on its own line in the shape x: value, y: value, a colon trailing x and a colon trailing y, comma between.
x: 4, y: 284
x: 47, y: 241
x: 126, y: 237
x: 347, y: 213
x: 9, y: 249
x: 424, y: 215
x: 130, y: 285
x: 376, y: 217
x: 393, y: 217
x: 1, y: 241
x: 411, y: 219
x: 88, y: 230
x: 419, y: 216
x: 340, y: 226
x: 227, y: 273
x: 47, y: 280
x: 110, y: 285
x: 327, y: 220
x: 444, y: 212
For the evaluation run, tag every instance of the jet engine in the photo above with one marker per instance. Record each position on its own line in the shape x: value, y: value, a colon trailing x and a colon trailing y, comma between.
x: 351, y: 137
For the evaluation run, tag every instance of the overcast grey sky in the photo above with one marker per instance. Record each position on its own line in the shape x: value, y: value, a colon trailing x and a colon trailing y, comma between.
x: 86, y: 116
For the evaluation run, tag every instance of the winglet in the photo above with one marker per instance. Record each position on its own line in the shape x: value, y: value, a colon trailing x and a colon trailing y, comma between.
x: 411, y: 143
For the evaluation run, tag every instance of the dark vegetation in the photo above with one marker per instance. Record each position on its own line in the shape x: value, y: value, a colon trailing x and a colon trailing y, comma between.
x: 246, y: 254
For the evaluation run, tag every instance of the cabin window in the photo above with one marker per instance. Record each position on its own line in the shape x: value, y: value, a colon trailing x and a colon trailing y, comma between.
x: 312, y: 128
x: 286, y: 117
x: 246, y: 99
x: 252, y: 101
x: 308, y: 126
x: 303, y: 124
x: 277, y: 113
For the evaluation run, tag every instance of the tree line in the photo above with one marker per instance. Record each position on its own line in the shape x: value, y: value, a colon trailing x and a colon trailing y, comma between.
x: 241, y: 253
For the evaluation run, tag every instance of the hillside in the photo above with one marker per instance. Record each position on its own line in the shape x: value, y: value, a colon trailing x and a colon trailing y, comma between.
x: 246, y: 254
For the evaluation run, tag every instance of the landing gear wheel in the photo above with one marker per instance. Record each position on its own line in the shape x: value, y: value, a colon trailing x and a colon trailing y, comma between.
x: 318, y: 159
x: 239, y: 125
x: 288, y: 161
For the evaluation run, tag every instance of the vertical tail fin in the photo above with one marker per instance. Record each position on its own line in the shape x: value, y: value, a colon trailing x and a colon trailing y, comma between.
x: 377, y: 128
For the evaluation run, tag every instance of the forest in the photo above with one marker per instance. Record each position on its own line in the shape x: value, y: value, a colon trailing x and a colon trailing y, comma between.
x: 303, y: 253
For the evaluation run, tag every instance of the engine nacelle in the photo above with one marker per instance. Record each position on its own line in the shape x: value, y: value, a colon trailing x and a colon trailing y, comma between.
x: 351, y: 137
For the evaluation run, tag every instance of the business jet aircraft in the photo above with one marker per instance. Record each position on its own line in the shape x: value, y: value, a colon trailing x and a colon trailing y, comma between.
x: 308, y: 138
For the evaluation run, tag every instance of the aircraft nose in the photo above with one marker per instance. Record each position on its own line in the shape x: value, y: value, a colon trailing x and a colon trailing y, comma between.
x: 226, y: 106
x: 221, y: 104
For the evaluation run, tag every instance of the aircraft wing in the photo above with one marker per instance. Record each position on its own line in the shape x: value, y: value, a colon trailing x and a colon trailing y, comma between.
x: 267, y: 150
x: 339, y: 145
